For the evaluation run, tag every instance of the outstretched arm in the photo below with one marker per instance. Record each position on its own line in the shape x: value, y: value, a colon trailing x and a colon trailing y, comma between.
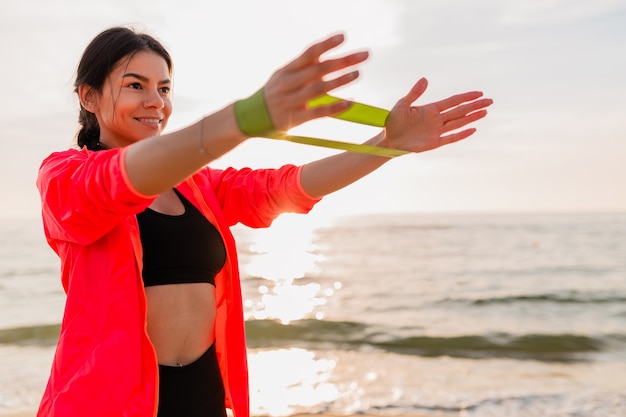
x: 412, y: 128
x: 157, y: 164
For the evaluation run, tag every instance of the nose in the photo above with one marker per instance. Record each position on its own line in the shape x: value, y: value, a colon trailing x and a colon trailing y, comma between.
x: 153, y: 100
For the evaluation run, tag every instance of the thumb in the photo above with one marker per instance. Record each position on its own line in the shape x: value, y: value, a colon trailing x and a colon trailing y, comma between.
x: 416, y: 92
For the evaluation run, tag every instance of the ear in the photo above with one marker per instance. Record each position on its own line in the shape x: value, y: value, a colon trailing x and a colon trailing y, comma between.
x: 88, y: 97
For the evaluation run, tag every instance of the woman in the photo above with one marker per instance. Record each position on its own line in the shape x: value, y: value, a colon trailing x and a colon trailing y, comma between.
x: 153, y: 320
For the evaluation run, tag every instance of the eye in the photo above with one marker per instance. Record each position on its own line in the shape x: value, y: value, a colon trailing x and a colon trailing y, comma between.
x: 135, y: 86
x: 165, y: 90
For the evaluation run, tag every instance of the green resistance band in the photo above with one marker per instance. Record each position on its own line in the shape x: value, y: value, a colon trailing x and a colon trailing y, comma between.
x: 357, y: 113
x: 254, y: 120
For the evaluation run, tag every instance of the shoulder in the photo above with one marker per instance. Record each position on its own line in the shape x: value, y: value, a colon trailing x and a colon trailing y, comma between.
x: 72, y: 156
x: 67, y: 153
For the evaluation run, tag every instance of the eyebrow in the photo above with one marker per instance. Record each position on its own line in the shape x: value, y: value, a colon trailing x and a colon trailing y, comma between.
x: 144, y: 79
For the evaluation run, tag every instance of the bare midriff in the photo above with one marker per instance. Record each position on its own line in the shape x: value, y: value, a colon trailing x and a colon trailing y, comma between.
x: 181, y: 320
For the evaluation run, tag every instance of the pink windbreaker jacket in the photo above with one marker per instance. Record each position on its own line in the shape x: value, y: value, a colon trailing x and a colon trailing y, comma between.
x: 105, y: 364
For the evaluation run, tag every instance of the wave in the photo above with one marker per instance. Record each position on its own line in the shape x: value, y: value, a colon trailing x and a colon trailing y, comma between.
x: 563, y: 298
x: 351, y: 335
x: 606, y: 404
x: 346, y: 335
x: 39, y: 335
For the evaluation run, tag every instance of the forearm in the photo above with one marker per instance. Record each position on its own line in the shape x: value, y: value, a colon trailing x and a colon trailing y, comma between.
x: 333, y: 173
x: 158, y: 164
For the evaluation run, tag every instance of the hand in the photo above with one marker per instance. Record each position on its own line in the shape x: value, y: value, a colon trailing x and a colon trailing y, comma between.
x: 307, y: 77
x: 423, y: 128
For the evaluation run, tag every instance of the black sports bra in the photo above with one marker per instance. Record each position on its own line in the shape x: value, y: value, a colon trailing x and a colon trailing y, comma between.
x: 179, y: 249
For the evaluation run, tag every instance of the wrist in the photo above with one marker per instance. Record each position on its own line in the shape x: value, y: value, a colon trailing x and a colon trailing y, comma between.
x: 218, y: 133
x: 381, y: 139
x: 252, y: 116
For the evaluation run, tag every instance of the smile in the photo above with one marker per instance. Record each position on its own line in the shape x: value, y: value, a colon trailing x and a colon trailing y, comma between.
x: 151, y: 121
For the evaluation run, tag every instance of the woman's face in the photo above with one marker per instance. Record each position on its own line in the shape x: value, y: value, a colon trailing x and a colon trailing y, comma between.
x: 135, y: 100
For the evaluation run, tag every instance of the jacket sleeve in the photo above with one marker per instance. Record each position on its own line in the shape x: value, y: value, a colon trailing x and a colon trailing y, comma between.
x: 256, y: 197
x: 85, y: 194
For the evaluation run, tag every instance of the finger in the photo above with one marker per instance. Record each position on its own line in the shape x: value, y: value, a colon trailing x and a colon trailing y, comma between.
x: 298, y: 116
x: 321, y: 87
x: 314, y: 52
x: 467, y: 108
x: 416, y: 92
x: 303, y: 95
x: 465, y: 120
x: 457, y: 99
x: 455, y: 137
x: 316, y: 74
x: 326, y: 110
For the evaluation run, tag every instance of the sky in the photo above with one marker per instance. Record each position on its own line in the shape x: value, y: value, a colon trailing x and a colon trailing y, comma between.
x: 554, y: 139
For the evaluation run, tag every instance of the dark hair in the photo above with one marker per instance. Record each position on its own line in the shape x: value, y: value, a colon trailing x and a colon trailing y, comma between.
x: 97, y: 62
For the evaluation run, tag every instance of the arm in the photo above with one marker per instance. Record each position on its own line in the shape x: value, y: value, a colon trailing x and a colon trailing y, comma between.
x: 416, y: 129
x: 157, y: 164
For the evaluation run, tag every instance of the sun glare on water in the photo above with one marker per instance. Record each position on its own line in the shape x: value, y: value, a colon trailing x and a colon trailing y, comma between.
x: 284, y: 256
x: 283, y: 260
x: 285, y: 381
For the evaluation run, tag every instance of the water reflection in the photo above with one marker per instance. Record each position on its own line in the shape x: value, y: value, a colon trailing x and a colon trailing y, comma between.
x: 285, y: 302
x: 283, y: 265
x: 282, y: 256
x: 289, y: 381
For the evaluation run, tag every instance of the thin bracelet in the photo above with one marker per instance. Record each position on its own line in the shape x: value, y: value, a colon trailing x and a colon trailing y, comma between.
x: 201, y: 137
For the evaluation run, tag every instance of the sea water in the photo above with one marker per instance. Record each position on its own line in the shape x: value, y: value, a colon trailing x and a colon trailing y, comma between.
x: 454, y: 315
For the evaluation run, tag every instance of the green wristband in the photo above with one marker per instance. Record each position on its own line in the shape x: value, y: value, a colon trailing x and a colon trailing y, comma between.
x: 252, y: 116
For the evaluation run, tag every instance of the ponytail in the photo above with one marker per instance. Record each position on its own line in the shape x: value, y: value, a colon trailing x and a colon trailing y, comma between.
x: 89, y: 133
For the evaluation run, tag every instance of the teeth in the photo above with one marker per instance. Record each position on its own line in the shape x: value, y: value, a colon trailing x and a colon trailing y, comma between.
x: 152, y: 121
